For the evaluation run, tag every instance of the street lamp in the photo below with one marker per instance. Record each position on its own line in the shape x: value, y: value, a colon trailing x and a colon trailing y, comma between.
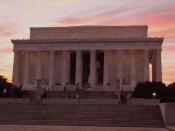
x: 154, y: 95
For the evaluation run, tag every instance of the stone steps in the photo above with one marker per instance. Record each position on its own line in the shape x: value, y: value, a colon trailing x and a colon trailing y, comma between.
x: 81, y: 114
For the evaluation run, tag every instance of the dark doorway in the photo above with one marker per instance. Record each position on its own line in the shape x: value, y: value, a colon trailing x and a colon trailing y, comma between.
x: 86, y: 67
x: 72, y: 67
x: 100, y: 66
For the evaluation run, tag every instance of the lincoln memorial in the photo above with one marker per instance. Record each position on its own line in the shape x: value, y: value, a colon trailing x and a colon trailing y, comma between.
x: 107, y: 58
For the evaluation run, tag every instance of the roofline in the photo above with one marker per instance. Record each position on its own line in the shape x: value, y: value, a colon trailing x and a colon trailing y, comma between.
x: 160, y: 39
x: 91, y: 26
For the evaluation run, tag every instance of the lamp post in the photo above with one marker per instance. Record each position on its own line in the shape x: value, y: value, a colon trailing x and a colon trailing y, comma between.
x: 154, y: 95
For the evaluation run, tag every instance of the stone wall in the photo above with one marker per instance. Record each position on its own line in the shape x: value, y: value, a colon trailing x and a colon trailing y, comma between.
x: 168, y: 113
x: 88, y: 32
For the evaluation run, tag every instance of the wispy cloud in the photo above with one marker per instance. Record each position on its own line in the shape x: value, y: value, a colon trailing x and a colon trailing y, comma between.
x: 6, y: 50
x: 7, y: 28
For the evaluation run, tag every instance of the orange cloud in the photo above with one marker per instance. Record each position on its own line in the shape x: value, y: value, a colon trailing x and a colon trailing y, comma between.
x: 168, y: 74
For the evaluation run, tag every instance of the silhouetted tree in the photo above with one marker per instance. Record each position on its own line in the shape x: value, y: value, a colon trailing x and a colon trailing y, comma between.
x: 7, y: 89
x: 146, y: 89
x: 3, y: 84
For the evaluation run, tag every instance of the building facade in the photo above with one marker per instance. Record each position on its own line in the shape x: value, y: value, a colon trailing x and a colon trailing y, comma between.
x: 105, y: 58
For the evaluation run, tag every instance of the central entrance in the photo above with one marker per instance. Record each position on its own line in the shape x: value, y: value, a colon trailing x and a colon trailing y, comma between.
x: 99, y: 67
x: 86, y: 67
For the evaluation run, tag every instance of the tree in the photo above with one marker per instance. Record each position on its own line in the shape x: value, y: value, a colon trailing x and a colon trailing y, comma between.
x: 10, y: 89
x: 146, y: 89
x: 170, y: 91
x: 172, y: 85
x: 3, y: 84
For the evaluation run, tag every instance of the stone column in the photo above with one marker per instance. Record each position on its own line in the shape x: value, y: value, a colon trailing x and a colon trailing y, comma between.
x: 153, y: 62
x: 26, y: 68
x: 38, y: 71
x: 51, y: 69
x: 106, y: 68
x: 68, y: 67
x: 158, y: 65
x: 133, y: 69
x: 64, y: 67
x: 16, y: 70
x: 119, y: 69
x: 92, y: 77
x: 146, y: 65
x: 78, y: 71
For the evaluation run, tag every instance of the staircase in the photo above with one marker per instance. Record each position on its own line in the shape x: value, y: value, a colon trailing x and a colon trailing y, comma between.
x: 81, y: 115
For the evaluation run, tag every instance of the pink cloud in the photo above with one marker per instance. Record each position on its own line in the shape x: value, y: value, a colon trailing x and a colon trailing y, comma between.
x: 167, y: 33
x: 169, y: 74
x: 170, y: 48
x: 156, y: 20
x: 6, y: 50
x: 8, y: 28
x: 71, y: 20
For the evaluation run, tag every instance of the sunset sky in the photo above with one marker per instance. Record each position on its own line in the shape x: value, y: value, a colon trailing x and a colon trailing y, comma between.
x: 17, y: 16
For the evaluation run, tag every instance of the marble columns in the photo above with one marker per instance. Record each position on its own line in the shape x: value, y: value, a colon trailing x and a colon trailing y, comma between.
x: 26, y: 67
x: 92, y: 77
x: 51, y: 68
x: 146, y: 65
x: 106, y: 68
x: 158, y: 66
x: 16, y: 70
x: 133, y: 69
x: 78, y: 70
x: 64, y: 68
x: 119, y: 69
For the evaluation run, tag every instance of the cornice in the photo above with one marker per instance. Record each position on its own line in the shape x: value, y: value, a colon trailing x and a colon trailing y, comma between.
x: 158, y: 39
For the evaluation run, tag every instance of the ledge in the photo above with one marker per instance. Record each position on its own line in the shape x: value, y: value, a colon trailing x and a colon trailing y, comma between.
x: 159, y: 39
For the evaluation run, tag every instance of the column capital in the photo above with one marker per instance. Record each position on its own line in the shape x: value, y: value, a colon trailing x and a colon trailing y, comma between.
x: 146, y: 49
x: 26, y: 52
x: 119, y: 51
x: 78, y: 51
x: 52, y: 53
x: 92, y: 51
x: 133, y: 51
x: 159, y: 49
